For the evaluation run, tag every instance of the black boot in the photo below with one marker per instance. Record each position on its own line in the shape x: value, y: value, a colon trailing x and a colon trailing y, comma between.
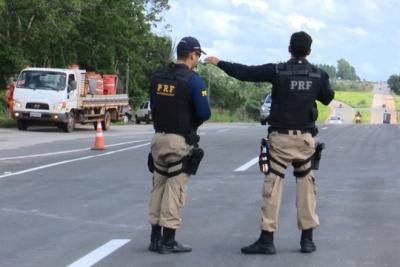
x: 306, y: 243
x: 155, y: 239
x: 264, y: 245
x: 169, y: 245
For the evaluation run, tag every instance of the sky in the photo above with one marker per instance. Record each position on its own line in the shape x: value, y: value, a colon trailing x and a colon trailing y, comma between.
x: 366, y: 33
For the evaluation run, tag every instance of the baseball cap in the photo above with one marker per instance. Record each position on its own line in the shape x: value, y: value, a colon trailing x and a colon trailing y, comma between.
x: 300, y: 42
x: 189, y: 44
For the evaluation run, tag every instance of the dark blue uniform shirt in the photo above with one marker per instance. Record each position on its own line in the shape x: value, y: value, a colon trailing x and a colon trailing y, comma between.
x: 267, y: 73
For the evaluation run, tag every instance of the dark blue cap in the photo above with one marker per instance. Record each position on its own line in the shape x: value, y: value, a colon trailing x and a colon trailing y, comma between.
x: 189, y: 44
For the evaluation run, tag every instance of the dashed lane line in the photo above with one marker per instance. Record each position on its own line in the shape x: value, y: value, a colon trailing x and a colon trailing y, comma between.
x: 71, y: 160
x: 100, y: 253
x: 247, y: 165
x: 68, y: 151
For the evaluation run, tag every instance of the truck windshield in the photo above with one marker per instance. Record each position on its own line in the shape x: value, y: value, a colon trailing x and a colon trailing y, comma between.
x: 43, y: 80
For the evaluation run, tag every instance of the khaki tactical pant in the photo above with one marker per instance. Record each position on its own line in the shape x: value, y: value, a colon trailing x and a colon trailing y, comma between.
x: 168, y: 194
x: 287, y: 149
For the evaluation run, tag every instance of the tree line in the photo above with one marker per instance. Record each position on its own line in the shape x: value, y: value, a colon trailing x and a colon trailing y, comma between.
x: 394, y: 83
x: 107, y: 36
x: 343, y: 71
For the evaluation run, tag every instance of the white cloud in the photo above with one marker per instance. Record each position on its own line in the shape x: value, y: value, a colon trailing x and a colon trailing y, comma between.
x: 222, y: 23
x: 329, y: 5
x: 258, y: 31
x: 357, y: 31
x: 255, y: 6
x: 299, y: 22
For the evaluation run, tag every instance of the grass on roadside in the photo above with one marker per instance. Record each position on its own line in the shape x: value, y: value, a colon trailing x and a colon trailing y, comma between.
x: 355, y: 99
x: 323, y: 112
x: 219, y: 115
x: 5, y: 121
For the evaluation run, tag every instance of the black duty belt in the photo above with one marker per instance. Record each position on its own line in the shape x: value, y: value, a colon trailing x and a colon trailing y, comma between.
x: 295, y: 132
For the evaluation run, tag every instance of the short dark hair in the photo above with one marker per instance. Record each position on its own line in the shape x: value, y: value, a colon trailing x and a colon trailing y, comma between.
x: 300, y: 44
x: 182, y: 54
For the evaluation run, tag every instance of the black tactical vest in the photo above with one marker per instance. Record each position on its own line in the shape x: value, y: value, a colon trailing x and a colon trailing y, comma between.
x: 294, y: 94
x: 173, y: 109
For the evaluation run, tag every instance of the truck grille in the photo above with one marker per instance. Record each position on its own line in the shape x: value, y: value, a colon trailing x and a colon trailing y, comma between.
x: 37, y: 106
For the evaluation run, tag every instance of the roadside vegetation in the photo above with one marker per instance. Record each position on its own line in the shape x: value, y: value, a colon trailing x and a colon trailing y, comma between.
x: 4, y: 120
x: 356, y: 94
x: 323, y: 112
x: 355, y: 99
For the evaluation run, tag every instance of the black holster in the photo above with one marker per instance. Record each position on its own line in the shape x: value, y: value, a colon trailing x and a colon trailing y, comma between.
x: 317, y: 156
x: 150, y: 163
x: 192, y: 139
x: 192, y: 162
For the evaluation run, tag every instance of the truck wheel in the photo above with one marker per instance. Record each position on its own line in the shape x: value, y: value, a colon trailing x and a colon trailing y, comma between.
x: 106, y: 123
x: 137, y: 120
x: 147, y: 119
x: 263, y: 122
x: 22, y: 125
x: 70, y: 125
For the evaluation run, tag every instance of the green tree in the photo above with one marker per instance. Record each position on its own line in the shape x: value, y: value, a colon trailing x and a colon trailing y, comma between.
x: 331, y: 70
x: 394, y: 83
x: 108, y: 36
x: 345, y: 71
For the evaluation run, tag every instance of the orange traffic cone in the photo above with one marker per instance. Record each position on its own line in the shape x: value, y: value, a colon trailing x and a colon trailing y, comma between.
x: 99, y: 143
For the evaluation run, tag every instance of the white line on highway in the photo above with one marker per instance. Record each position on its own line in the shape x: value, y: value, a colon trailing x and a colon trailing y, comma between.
x: 223, y: 130
x: 100, y: 253
x: 68, y: 151
x: 247, y: 165
x: 71, y: 160
x: 324, y: 128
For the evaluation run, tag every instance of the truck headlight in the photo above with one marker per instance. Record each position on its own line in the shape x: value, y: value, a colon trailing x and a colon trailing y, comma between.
x: 16, y: 104
x: 61, y: 106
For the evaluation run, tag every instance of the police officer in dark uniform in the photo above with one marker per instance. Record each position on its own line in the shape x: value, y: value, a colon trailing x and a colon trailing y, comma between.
x: 296, y: 85
x: 179, y: 104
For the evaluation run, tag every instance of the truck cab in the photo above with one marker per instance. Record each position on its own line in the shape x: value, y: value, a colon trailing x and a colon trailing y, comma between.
x: 44, y: 95
x: 62, y: 97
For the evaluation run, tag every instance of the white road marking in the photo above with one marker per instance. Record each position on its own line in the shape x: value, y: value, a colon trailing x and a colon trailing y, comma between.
x: 324, y: 128
x: 100, y: 253
x: 247, y: 165
x: 71, y: 160
x: 68, y: 151
x: 223, y: 130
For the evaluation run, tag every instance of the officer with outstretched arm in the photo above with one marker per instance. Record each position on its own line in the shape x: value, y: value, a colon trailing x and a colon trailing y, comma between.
x: 179, y: 104
x: 296, y: 85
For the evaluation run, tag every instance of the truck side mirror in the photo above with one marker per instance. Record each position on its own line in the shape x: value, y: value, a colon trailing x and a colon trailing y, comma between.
x: 72, y: 85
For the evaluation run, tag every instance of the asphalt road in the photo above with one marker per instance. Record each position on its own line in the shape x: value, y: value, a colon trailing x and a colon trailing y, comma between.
x: 343, y: 110
x: 383, y: 102
x: 62, y: 204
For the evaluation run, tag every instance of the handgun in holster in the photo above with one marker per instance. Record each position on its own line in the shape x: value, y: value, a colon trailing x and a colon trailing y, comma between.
x: 192, y: 161
x: 317, y: 156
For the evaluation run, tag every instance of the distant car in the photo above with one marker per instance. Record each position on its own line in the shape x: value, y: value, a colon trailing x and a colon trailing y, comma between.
x: 144, y: 113
x: 335, y: 120
x: 265, y: 109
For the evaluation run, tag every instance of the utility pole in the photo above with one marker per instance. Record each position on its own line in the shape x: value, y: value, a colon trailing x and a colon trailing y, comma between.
x: 127, y: 77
